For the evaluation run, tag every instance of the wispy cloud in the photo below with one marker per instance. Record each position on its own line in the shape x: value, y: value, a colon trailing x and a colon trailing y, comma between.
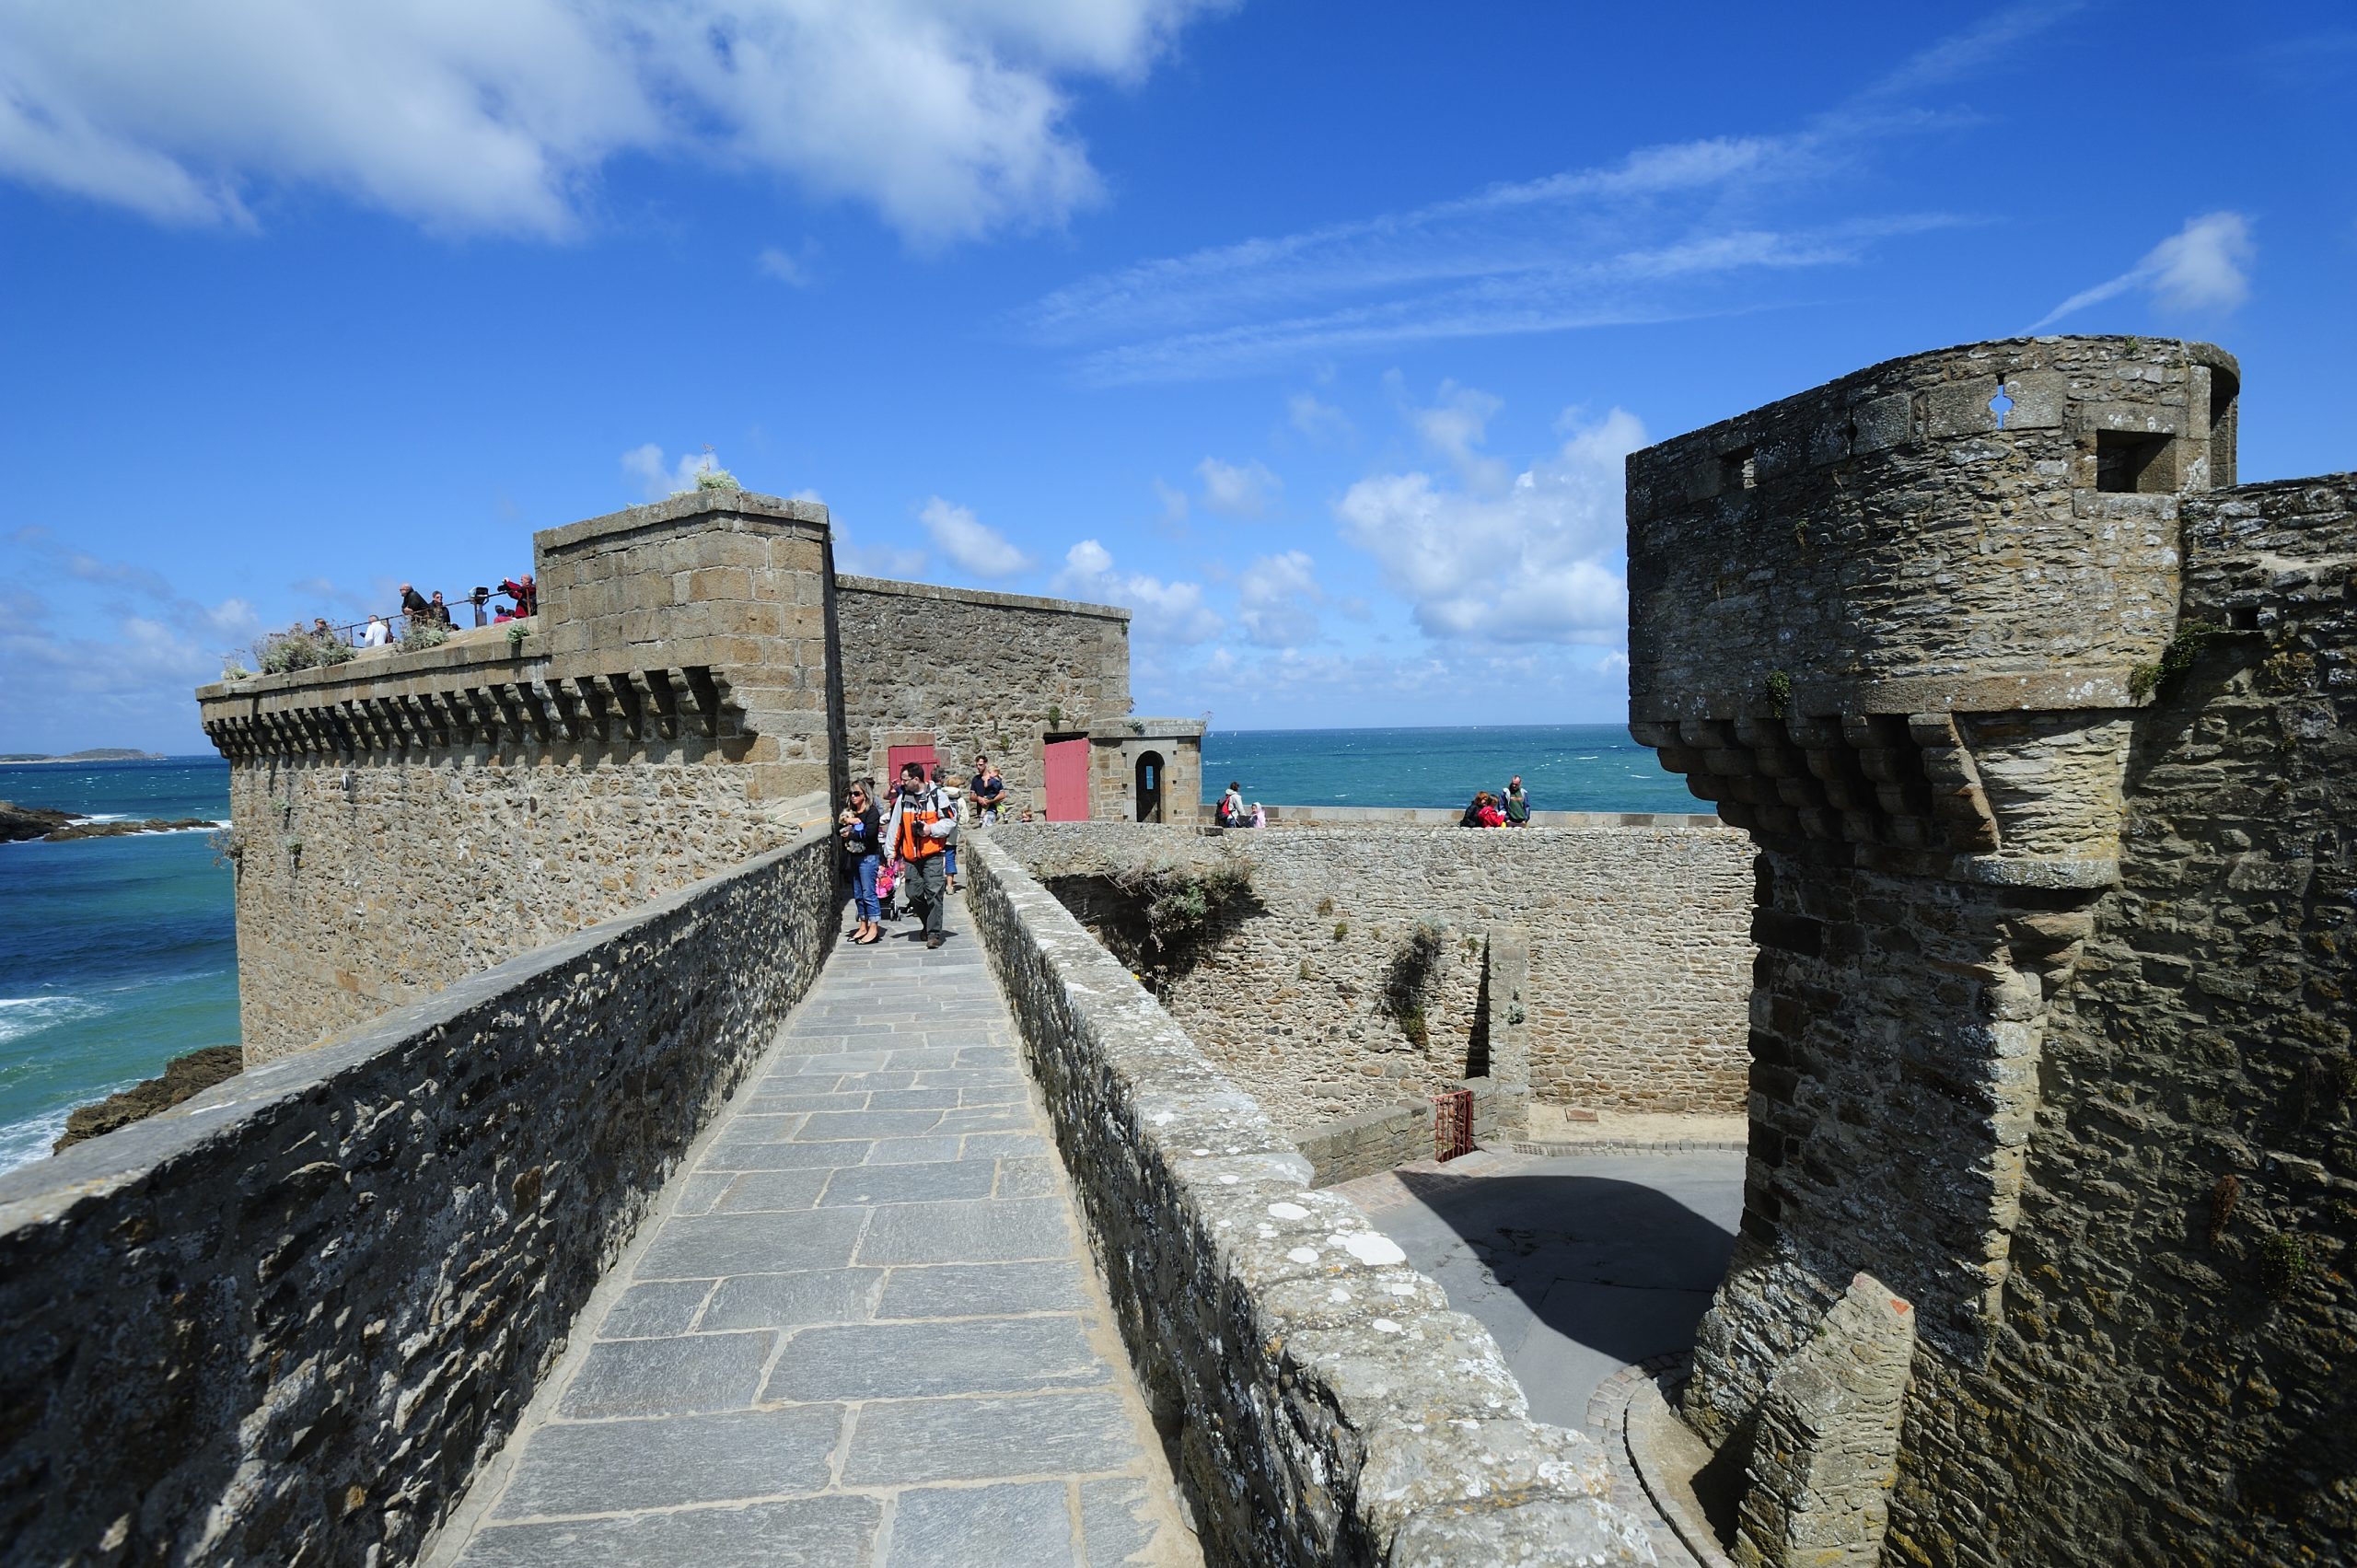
x: 1663, y: 233
x: 2203, y: 266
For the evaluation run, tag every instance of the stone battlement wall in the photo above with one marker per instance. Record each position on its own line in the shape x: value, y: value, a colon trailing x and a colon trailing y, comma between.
x: 970, y: 671
x: 680, y: 704
x: 1639, y: 957
x: 1324, y: 1406
x: 285, y: 1320
x: 2045, y: 746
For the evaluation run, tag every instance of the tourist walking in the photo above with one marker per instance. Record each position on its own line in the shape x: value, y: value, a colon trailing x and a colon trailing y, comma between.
x: 1516, y: 804
x: 1230, y: 812
x: 862, y: 833
x: 923, y: 825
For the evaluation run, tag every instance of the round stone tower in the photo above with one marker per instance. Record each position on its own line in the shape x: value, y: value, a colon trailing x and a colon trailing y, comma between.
x: 1897, y: 627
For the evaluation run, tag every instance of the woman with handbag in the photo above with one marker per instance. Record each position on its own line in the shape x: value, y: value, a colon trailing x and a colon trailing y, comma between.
x: 862, y: 831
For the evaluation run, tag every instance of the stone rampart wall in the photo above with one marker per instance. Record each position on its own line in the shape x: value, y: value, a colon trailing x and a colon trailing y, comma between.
x: 973, y: 671
x: 284, y: 1322
x: 1324, y: 1405
x: 364, y: 885
x: 1639, y: 967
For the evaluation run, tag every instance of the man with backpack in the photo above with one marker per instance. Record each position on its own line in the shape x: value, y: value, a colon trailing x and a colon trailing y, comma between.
x: 923, y: 826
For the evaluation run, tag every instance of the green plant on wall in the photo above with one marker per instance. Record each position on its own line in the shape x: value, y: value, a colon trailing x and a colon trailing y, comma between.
x: 1408, y: 978
x: 2175, y: 660
x: 1780, y: 693
x: 2283, y: 1263
x: 1055, y: 716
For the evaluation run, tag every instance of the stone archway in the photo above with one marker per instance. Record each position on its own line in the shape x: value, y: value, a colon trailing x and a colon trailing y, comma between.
x: 1149, y: 786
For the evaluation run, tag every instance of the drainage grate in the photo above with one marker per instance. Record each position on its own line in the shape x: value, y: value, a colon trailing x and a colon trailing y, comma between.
x: 1452, y: 1125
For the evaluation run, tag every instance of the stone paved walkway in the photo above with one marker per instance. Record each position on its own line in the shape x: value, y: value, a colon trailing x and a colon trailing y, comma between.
x: 862, y: 1330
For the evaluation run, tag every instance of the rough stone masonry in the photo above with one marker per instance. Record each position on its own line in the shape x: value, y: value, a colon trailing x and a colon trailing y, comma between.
x: 2042, y: 729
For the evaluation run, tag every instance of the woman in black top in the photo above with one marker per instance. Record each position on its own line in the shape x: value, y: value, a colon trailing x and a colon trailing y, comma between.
x: 860, y: 828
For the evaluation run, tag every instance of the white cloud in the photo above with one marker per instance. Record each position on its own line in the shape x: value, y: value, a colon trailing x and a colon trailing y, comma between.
x: 1318, y: 421
x: 970, y: 542
x: 645, y: 466
x: 1174, y: 504
x: 2203, y: 266
x: 130, y: 683
x: 1235, y: 490
x: 1538, y: 556
x: 785, y: 266
x: 1455, y: 426
x: 1160, y: 612
x: 1276, y: 599
x: 947, y: 117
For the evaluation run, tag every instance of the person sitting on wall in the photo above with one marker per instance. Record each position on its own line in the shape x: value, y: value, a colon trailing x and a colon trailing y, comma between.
x: 1516, y: 804
x: 986, y: 790
x: 378, y: 634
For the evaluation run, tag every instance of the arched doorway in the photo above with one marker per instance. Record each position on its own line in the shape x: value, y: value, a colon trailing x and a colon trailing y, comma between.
x: 1149, y: 786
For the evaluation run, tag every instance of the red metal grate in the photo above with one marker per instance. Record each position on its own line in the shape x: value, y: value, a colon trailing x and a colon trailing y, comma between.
x: 1452, y: 1125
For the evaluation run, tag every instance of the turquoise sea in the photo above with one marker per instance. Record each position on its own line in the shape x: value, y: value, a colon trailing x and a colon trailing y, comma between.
x: 117, y: 954
x: 1572, y: 767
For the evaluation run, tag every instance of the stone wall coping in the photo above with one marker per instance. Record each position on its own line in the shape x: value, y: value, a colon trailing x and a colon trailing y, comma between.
x: 846, y: 583
x: 1147, y: 729
x: 1399, y: 1434
x: 1679, y: 450
x: 1445, y: 817
x: 472, y: 648
x: 744, y: 503
x: 37, y: 1192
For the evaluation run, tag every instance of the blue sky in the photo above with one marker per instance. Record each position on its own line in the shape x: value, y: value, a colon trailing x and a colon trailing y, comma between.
x: 1314, y: 334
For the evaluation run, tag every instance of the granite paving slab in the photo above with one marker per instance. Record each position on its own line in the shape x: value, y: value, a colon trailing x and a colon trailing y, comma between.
x: 862, y: 1326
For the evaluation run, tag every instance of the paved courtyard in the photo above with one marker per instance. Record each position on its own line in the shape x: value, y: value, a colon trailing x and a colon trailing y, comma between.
x: 1579, y: 1265
x: 863, y: 1328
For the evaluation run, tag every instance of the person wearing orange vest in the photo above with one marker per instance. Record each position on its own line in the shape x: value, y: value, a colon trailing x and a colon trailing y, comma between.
x: 923, y: 826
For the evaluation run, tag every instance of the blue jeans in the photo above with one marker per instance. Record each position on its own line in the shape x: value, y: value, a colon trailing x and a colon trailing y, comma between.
x: 863, y: 893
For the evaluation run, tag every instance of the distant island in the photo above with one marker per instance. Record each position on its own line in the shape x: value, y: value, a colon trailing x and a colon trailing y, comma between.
x: 96, y: 754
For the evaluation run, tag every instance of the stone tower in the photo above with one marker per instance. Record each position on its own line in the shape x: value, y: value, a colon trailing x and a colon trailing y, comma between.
x: 2041, y: 727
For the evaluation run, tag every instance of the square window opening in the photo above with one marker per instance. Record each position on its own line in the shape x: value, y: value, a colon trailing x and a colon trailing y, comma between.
x: 2129, y: 463
x: 1737, y: 471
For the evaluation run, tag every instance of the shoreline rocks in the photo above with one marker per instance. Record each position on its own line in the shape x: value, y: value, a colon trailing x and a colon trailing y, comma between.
x: 184, y: 1077
x: 19, y: 823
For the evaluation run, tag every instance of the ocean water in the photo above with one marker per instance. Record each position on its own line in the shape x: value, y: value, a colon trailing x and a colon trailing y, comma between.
x: 119, y: 954
x: 1574, y: 767
x: 115, y: 954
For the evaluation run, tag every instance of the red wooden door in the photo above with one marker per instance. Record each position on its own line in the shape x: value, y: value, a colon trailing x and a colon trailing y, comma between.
x: 899, y: 754
x: 1068, y: 780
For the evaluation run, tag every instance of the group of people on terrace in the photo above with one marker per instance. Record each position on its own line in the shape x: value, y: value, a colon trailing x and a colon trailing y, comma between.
x: 420, y: 612
x: 901, y: 848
